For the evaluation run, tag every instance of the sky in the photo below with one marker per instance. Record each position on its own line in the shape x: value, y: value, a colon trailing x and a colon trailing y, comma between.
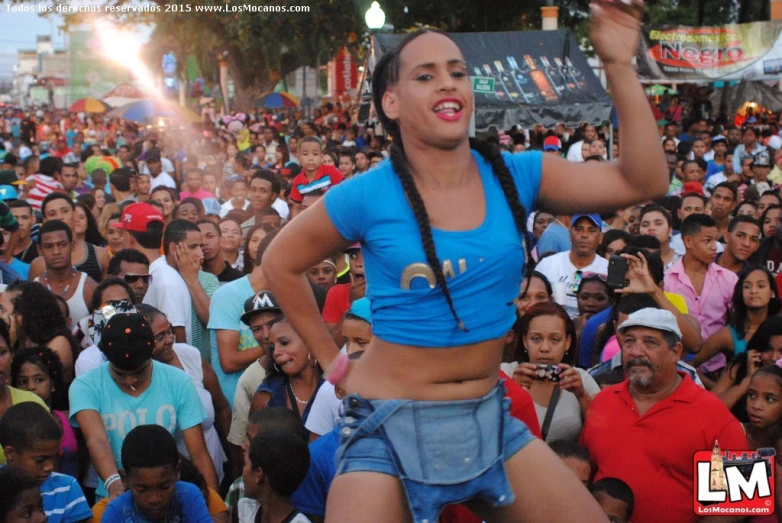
x: 18, y: 30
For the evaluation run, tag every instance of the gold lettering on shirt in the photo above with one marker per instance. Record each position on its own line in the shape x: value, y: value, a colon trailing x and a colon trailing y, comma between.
x: 417, y: 270
x: 423, y: 270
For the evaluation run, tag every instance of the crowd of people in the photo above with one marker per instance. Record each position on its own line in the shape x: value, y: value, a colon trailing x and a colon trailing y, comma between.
x: 170, y: 296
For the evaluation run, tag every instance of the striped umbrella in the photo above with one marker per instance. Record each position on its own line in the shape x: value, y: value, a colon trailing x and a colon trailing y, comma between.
x: 144, y: 110
x: 277, y: 101
x: 89, y: 105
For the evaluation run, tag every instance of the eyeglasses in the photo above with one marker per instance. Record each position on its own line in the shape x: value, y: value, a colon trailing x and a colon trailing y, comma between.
x: 581, y: 276
x: 132, y: 279
x: 159, y: 337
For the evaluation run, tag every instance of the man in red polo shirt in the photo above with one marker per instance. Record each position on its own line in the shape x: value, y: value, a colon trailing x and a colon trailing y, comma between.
x: 646, y: 430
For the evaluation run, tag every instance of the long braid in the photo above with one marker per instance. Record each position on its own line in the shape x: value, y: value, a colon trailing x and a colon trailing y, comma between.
x: 491, y: 153
x: 402, y: 168
x: 386, y: 73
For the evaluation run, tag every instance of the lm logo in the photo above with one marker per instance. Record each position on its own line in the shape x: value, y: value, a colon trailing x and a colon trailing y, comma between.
x: 739, y: 483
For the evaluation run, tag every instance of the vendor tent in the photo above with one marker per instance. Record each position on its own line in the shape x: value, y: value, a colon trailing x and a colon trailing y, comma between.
x: 734, y: 98
x: 526, y: 78
x: 123, y: 94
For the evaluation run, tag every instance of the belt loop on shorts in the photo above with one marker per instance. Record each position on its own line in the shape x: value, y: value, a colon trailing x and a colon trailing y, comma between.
x: 372, y: 422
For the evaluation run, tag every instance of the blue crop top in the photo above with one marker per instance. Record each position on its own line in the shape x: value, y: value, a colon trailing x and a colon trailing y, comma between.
x: 483, y: 266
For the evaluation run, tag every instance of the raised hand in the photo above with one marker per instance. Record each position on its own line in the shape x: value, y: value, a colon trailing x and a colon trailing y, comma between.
x: 616, y: 29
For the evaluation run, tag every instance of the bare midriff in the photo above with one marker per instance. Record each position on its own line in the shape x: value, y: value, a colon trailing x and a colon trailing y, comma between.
x: 392, y: 371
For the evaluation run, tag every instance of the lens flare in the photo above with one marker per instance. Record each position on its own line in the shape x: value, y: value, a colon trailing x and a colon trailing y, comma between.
x: 124, y: 48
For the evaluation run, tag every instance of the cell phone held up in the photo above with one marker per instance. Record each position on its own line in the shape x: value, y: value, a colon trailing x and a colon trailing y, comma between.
x: 546, y: 372
x: 617, y: 272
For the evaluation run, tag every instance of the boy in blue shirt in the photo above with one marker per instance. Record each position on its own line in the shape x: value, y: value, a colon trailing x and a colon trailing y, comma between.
x: 150, y: 471
x: 30, y: 437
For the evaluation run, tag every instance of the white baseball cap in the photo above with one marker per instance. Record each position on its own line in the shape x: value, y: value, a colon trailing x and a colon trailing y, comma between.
x: 652, y: 318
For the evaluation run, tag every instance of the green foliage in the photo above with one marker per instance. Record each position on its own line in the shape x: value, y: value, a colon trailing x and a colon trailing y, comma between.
x: 264, y: 47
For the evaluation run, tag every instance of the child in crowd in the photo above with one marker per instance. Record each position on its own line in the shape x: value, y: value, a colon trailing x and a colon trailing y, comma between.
x: 189, y: 474
x: 347, y: 163
x: 243, y: 508
x: 357, y: 333
x: 575, y: 457
x: 20, y: 498
x: 615, y: 497
x: 31, y: 439
x: 764, y: 406
x: 274, y: 468
x: 314, y: 175
x: 357, y: 326
x: 39, y: 370
x: 237, y: 188
x: 151, y: 473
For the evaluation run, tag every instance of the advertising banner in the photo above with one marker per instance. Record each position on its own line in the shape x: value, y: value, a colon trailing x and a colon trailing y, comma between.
x: 524, y: 77
x: 346, y: 75
x: 702, y: 54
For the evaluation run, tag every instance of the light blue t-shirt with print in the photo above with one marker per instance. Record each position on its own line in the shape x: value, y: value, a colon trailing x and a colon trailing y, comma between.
x: 170, y: 401
x: 225, y: 313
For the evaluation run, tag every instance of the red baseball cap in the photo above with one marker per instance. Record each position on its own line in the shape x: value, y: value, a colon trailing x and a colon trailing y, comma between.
x: 552, y: 143
x: 691, y: 187
x: 137, y: 216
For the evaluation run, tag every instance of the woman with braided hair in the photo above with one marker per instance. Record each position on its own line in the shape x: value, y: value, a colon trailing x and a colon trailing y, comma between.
x: 442, y: 228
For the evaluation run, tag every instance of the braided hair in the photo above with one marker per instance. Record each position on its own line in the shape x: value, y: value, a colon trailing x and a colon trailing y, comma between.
x: 386, y: 74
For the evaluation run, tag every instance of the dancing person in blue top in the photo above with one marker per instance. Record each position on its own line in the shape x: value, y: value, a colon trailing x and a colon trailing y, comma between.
x: 443, y: 269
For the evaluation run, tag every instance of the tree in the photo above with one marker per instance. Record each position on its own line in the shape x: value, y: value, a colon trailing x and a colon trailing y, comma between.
x: 263, y: 43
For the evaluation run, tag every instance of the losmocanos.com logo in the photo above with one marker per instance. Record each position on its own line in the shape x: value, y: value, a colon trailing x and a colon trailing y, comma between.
x: 739, y: 483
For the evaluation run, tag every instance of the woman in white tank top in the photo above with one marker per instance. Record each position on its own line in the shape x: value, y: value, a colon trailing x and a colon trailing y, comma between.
x: 188, y: 358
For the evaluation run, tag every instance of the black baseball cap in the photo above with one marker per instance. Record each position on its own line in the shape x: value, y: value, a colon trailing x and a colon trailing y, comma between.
x: 264, y: 301
x: 127, y: 341
x: 153, y: 155
x: 7, y: 177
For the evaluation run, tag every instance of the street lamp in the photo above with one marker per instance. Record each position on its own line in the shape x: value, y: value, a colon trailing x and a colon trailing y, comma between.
x: 375, y: 17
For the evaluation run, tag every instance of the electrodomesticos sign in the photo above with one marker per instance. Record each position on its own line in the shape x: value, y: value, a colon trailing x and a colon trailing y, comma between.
x: 730, y: 52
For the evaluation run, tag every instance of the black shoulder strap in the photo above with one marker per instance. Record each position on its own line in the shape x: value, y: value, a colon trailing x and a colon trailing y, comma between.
x: 550, y: 411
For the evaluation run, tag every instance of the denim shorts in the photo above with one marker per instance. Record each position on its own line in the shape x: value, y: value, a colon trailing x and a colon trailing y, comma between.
x: 443, y: 452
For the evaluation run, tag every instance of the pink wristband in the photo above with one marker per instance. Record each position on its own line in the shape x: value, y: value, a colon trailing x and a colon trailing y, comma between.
x: 340, y: 371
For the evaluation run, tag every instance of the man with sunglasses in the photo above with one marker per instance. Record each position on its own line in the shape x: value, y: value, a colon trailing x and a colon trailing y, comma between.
x: 133, y: 267
x: 565, y: 270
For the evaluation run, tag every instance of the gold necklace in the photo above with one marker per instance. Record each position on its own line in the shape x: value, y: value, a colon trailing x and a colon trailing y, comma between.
x: 290, y: 385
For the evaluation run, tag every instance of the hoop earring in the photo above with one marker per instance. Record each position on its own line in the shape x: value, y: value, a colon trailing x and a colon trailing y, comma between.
x: 277, y: 368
